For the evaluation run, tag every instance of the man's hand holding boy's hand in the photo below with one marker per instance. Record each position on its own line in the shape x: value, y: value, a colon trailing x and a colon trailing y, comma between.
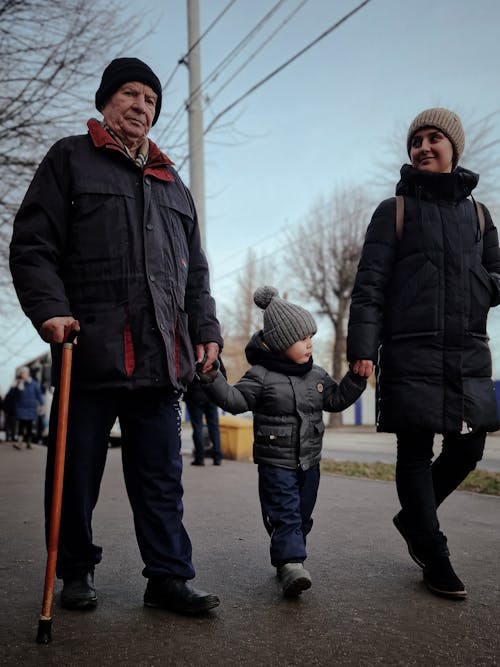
x: 207, y: 364
x: 205, y: 377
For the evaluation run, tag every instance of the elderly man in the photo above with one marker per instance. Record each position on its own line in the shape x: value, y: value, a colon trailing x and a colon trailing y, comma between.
x: 106, y: 243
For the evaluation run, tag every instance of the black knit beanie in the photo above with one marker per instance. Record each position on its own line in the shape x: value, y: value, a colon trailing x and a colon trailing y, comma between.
x: 124, y: 70
x: 284, y: 322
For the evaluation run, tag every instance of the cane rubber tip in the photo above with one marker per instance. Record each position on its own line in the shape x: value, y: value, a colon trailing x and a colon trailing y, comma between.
x: 44, y: 635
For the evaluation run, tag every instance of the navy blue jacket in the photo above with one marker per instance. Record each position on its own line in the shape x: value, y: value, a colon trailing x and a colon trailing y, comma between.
x: 119, y: 249
x: 27, y: 399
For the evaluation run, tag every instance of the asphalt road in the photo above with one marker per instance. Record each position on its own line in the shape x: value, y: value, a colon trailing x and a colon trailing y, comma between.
x: 367, y: 606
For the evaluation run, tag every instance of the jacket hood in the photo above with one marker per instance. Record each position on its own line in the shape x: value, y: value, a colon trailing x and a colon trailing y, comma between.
x: 256, y: 351
x: 452, y: 187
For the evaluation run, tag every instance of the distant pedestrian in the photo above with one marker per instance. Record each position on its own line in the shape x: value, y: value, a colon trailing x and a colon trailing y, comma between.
x: 27, y: 399
x: 200, y: 406
x: 287, y: 394
x: 9, y: 408
x: 419, y: 308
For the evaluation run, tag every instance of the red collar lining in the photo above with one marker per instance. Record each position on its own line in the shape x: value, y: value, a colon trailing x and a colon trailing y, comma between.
x: 158, y: 162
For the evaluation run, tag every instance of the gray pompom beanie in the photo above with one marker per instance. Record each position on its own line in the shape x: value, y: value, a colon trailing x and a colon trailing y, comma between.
x: 284, y: 322
x: 446, y: 121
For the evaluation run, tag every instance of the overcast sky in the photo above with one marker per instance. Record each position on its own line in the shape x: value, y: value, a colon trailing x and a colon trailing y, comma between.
x: 326, y: 121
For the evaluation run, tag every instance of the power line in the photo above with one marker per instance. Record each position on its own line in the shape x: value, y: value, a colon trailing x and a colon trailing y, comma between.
x: 258, y: 50
x: 182, y: 60
x: 220, y: 67
x: 285, y: 64
x: 234, y: 52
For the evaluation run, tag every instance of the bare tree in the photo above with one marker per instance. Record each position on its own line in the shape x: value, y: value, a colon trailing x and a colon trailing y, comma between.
x: 51, y: 54
x: 324, y: 251
x: 241, y: 320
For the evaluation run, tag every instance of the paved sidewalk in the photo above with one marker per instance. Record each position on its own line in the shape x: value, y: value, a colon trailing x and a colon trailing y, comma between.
x: 367, y: 605
x: 363, y: 443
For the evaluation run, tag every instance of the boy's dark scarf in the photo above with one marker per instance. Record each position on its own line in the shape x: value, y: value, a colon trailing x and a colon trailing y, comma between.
x: 258, y: 353
x: 286, y: 366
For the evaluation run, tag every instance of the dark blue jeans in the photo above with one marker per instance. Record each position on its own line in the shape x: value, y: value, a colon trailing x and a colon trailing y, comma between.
x: 423, y: 484
x: 152, y: 467
x: 211, y: 413
x: 287, y: 499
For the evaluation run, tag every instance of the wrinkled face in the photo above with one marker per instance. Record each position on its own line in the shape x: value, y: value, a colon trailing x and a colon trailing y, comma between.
x: 431, y: 150
x: 130, y: 112
x: 301, y: 351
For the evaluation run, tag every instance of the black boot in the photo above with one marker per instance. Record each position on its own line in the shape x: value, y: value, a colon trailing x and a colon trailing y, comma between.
x: 412, y: 550
x: 79, y: 592
x: 441, y: 579
x: 175, y: 594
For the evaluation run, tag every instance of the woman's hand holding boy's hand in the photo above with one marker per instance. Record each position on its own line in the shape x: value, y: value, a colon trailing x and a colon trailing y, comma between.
x: 362, y: 367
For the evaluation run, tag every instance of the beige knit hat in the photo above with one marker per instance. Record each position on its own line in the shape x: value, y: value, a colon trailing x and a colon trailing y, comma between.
x: 284, y: 322
x: 446, y: 121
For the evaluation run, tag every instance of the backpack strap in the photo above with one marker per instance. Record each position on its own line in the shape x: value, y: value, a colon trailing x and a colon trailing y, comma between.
x: 480, y: 214
x: 400, y: 216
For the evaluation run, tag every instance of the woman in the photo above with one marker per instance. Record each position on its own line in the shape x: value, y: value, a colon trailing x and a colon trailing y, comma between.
x: 419, y: 308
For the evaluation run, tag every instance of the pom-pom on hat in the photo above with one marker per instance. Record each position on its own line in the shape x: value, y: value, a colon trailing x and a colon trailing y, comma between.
x: 284, y: 322
x: 124, y: 70
x: 446, y: 121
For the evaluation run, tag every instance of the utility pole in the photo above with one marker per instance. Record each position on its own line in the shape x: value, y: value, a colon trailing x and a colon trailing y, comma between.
x: 195, y: 116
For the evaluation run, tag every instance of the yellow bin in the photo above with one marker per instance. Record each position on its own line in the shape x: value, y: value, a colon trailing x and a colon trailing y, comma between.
x: 236, y: 437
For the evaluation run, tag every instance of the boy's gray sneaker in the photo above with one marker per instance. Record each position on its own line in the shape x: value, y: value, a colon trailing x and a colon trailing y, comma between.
x: 294, y: 579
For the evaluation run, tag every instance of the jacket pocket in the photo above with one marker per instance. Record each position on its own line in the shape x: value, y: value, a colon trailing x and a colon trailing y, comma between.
x: 99, y: 355
x: 481, y: 295
x: 273, y: 435
x: 184, y: 354
x: 99, y: 226
x: 480, y: 405
x: 318, y: 430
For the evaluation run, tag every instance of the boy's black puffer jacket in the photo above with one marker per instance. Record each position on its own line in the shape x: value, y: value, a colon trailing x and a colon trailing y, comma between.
x: 420, y: 305
x: 287, y: 409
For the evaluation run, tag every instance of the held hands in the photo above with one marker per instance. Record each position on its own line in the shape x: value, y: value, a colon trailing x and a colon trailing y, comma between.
x: 207, y: 364
x: 57, y: 329
x: 362, y: 367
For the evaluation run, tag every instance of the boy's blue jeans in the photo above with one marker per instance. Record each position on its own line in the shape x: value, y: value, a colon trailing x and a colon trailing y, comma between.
x: 287, y: 499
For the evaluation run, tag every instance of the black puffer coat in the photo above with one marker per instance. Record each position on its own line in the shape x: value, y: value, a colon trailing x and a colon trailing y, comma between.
x: 118, y: 248
x: 287, y: 408
x: 420, y: 305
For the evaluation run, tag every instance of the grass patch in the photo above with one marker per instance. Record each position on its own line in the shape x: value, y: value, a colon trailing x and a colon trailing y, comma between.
x: 479, y: 481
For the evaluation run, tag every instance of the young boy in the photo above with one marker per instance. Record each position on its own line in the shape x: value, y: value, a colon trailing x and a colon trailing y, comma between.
x: 287, y: 394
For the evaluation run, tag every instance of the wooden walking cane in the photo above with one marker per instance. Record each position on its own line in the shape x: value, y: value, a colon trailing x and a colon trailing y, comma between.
x: 44, y: 635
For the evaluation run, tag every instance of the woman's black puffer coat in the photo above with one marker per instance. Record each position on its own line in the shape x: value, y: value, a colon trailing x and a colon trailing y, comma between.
x: 420, y: 306
x: 287, y: 405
